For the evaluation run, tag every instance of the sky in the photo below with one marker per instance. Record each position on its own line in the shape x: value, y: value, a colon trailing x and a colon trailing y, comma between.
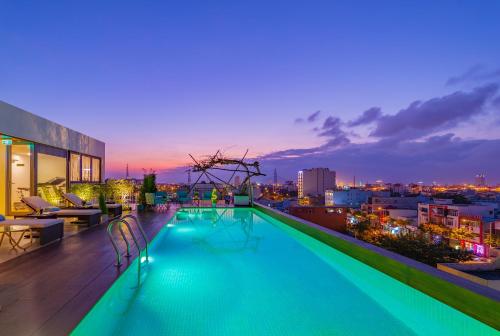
x: 396, y: 90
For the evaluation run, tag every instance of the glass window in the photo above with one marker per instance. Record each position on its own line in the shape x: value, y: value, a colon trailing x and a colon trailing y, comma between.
x: 75, y: 167
x: 51, y: 178
x: 96, y: 170
x: 86, y: 168
x: 20, y: 175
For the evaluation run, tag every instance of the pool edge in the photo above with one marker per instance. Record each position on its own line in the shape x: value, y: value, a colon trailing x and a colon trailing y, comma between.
x: 477, y: 301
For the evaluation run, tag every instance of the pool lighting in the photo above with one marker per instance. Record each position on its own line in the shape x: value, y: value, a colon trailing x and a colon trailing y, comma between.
x: 185, y: 229
x: 148, y: 259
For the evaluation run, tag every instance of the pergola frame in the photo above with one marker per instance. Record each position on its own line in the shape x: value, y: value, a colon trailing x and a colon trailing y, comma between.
x: 221, y: 163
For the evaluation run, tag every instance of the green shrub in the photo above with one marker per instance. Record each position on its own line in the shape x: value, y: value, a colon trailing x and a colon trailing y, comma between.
x: 148, y: 186
x: 88, y: 191
x: 102, y: 204
x: 418, y: 247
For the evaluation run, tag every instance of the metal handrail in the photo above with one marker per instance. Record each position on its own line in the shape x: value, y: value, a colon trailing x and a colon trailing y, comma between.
x: 113, y: 242
x: 141, y: 230
x: 115, y: 246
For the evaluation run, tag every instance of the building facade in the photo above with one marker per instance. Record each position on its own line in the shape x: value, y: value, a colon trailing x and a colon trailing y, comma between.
x: 352, y: 197
x: 378, y: 205
x: 315, y: 181
x: 334, y: 218
x: 40, y: 157
x: 476, y: 218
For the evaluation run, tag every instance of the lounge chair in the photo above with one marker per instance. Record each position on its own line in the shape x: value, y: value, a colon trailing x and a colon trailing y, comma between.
x: 48, y: 229
x: 114, y: 209
x: 183, y: 197
x: 161, y: 201
x: 86, y: 216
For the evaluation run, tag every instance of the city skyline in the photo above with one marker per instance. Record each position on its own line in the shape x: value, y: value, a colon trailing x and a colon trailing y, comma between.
x: 398, y: 92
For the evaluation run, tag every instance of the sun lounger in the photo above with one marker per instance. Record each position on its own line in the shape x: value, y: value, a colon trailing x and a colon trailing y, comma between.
x: 87, y: 216
x: 48, y: 229
x: 114, y: 209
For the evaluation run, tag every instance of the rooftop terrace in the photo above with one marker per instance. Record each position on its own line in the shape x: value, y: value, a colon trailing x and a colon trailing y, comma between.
x: 48, y: 291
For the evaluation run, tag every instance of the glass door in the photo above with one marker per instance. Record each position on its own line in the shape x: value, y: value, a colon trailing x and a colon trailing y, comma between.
x: 21, y: 179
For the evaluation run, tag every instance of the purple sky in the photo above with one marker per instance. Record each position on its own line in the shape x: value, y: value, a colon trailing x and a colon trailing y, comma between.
x: 381, y: 90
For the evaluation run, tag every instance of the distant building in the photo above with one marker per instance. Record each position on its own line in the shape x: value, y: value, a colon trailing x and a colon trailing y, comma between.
x: 290, y: 186
x: 334, y: 218
x: 315, y: 181
x: 237, y: 180
x: 476, y: 218
x: 398, y: 188
x: 480, y: 180
x: 329, y: 198
x: 379, y: 205
x: 351, y: 197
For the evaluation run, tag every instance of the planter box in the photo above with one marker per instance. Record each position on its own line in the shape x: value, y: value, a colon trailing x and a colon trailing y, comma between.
x: 241, y: 200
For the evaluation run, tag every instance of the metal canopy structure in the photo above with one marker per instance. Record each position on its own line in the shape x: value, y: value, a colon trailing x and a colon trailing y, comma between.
x: 221, y: 163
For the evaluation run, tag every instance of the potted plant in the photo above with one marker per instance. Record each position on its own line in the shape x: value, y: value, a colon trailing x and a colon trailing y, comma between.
x: 104, y: 208
x: 148, y: 187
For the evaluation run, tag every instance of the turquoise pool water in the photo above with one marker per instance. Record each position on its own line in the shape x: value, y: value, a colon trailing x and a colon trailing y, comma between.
x: 241, y: 272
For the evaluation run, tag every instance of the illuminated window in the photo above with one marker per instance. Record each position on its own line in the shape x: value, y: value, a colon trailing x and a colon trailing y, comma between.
x: 51, y: 178
x: 75, y: 167
x: 86, y: 168
x: 96, y: 170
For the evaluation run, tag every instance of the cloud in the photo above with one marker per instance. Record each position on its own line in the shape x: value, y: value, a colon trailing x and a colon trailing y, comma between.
x: 445, y: 159
x: 332, y: 129
x: 477, y: 73
x: 367, y: 117
x: 313, y: 117
x: 437, y: 114
x: 408, y: 145
x: 310, y: 119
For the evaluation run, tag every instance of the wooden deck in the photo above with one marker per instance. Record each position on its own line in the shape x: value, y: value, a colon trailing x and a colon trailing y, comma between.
x: 48, y: 291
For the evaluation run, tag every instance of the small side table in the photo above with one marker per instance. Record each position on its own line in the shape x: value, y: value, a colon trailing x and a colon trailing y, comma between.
x: 8, y: 230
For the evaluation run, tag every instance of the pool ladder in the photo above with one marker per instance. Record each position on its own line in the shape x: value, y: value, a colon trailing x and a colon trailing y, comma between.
x: 120, y: 221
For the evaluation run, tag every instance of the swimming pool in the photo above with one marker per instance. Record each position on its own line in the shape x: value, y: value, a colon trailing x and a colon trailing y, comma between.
x: 241, y: 272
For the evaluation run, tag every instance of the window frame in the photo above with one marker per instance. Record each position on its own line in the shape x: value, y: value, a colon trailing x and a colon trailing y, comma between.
x: 92, y: 158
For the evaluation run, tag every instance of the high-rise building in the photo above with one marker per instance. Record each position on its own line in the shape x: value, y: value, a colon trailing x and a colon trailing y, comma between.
x: 315, y: 181
x: 237, y: 180
x: 480, y: 180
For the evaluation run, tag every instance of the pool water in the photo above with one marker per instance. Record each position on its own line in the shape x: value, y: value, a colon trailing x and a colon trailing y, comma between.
x: 241, y: 272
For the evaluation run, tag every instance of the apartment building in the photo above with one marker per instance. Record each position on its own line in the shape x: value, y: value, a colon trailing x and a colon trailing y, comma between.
x: 315, y: 181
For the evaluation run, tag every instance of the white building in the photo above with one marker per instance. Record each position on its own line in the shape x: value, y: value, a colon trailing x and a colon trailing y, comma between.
x: 351, y: 197
x: 40, y: 157
x: 315, y: 181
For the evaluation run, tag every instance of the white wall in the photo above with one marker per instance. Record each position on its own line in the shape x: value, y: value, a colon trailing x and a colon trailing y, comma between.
x: 19, y: 123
